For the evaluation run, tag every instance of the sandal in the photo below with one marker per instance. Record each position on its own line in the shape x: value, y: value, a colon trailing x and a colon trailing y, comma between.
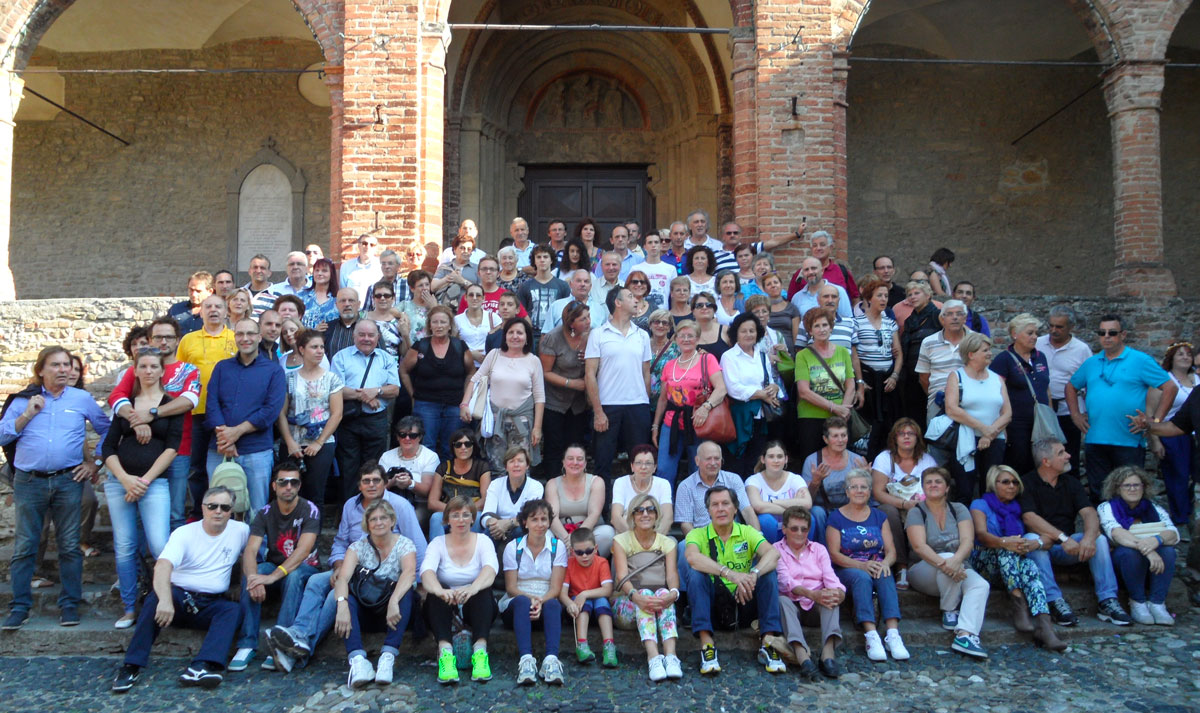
x: 41, y: 583
x: 89, y: 551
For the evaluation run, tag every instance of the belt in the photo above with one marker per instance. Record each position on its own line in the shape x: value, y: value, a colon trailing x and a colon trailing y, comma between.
x: 51, y: 473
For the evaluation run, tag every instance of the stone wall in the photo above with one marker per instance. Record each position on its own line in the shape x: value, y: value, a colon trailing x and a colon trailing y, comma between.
x: 93, y: 218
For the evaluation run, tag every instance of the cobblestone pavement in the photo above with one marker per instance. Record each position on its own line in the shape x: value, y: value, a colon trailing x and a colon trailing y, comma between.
x: 1152, y: 670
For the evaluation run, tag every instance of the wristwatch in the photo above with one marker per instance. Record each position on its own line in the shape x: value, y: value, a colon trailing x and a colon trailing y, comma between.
x: 341, y: 599
x: 1062, y: 537
x: 754, y: 571
x: 99, y: 463
x: 153, y: 413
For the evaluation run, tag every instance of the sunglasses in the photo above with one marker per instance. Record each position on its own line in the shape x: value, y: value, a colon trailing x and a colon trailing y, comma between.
x: 664, y: 322
x: 384, y: 295
x: 224, y: 507
x: 645, y: 510
x: 410, y: 436
x: 586, y: 552
x: 288, y: 482
x: 1108, y: 332
x: 463, y: 444
x: 371, y: 481
x: 1006, y: 481
x: 703, y: 305
x: 637, y: 282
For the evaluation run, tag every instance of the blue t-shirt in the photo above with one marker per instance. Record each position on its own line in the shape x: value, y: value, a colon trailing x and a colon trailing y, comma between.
x: 1009, y: 366
x: 1116, y: 388
x: 862, y: 541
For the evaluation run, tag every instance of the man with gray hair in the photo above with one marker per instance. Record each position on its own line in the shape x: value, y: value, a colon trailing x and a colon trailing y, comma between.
x: 697, y: 223
x: 298, y: 279
x: 389, y: 264
x: 370, y: 379
x: 620, y: 248
x: 1064, y: 353
x: 518, y: 229
x: 939, y: 354
x: 581, y: 291
x: 821, y: 247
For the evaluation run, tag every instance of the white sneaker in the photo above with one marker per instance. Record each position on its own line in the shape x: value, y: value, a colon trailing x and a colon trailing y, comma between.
x: 361, y: 673
x: 527, y: 670
x: 383, y: 669
x: 552, y: 670
x: 1140, y: 613
x: 875, y: 650
x: 673, y: 667
x: 658, y: 670
x: 1161, y: 616
x: 895, y: 645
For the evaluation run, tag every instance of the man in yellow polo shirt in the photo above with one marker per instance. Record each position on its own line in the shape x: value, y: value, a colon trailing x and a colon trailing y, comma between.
x: 732, y: 569
x: 204, y: 348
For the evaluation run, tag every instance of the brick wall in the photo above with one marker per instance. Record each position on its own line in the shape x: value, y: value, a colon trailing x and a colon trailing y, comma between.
x: 91, y: 217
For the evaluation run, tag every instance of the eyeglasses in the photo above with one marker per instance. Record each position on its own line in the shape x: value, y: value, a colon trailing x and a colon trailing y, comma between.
x: 645, y: 510
x: 704, y: 305
x: 1131, y: 486
x: 797, y: 528
x: 637, y: 282
x: 371, y: 481
x: 224, y: 507
x: 288, y: 482
x: 1006, y: 481
x: 584, y: 553
x: 384, y: 295
x: 663, y: 322
x: 463, y: 444
x: 163, y: 338
x: 1108, y: 332
x: 411, y: 436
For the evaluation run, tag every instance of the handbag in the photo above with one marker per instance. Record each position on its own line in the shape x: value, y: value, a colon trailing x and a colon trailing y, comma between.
x: 1045, y: 421
x: 643, y: 572
x: 769, y: 412
x: 718, y: 427
x: 480, y: 399
x: 857, y: 426
x: 353, y: 407
x: 371, y: 590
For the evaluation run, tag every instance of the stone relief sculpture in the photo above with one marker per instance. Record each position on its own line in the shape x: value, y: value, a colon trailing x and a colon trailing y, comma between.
x: 585, y: 101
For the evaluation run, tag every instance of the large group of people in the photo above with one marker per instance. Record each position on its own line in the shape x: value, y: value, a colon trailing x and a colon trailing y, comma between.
x: 462, y: 422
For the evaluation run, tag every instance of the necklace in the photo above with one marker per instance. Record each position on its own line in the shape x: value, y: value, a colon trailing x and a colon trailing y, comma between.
x: 675, y: 367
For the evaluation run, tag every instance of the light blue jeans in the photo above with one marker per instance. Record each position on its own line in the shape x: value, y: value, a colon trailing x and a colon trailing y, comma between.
x: 258, y: 473
x: 154, y: 510
x: 291, y: 588
x: 1104, y: 579
x: 35, y: 499
x: 177, y: 479
x: 318, y: 608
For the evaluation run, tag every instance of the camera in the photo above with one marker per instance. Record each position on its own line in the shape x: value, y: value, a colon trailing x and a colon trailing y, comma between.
x: 396, y: 471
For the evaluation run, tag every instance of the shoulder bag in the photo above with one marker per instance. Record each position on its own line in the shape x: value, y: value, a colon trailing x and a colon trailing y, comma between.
x: 371, y: 590
x: 480, y: 398
x: 857, y: 425
x: 1045, y: 421
x: 718, y: 427
x: 643, y: 571
x: 769, y: 412
x: 353, y: 407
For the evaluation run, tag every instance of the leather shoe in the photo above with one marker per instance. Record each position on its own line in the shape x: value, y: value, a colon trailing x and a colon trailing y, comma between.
x: 830, y: 669
x: 808, y: 670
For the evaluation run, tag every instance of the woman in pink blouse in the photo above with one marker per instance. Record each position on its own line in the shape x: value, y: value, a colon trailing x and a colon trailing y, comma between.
x: 809, y: 592
x: 516, y: 395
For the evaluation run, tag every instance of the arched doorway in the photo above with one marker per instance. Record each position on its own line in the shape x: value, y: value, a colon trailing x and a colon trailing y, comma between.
x: 1181, y: 153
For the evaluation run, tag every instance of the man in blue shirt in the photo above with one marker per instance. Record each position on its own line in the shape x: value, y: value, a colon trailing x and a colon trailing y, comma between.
x: 48, y: 423
x: 187, y: 312
x: 1115, y: 383
x: 371, y: 379
x: 245, y: 395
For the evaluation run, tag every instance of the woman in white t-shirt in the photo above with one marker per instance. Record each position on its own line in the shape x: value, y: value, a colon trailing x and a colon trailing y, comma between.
x: 534, y: 568
x: 774, y: 489
x: 417, y: 465
x: 897, y: 484
x: 642, y: 481
x: 459, y: 569
x: 506, y: 495
x: 475, y: 324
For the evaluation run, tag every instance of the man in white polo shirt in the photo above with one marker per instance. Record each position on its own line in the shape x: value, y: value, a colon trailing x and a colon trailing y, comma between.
x: 617, y: 352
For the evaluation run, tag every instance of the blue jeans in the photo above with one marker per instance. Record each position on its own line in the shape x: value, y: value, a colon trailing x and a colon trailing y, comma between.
x: 1103, y: 578
x: 35, y: 498
x: 516, y: 617
x: 318, y: 608
x: 177, y: 481
x: 1178, y: 477
x: 860, y: 585
x: 391, y: 637
x: 1102, y: 459
x: 217, y: 617
x: 816, y: 531
x: 154, y: 510
x: 766, y: 602
x: 258, y: 474
x: 440, y: 421
x: 1135, y: 569
x: 668, y: 463
x: 292, y: 587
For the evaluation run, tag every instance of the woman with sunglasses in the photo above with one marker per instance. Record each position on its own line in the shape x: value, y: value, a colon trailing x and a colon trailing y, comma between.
x: 135, y: 489
x: 1001, y: 554
x: 577, y: 497
x: 711, y: 335
x: 320, y: 300
x: 561, y: 352
x: 730, y: 302
x: 647, y: 597
x: 644, y: 301
x: 434, y: 371
x: 385, y: 314
x: 411, y: 466
x: 877, y: 349
x: 465, y: 474
x: 475, y: 323
x: 311, y: 414
x: 662, y: 347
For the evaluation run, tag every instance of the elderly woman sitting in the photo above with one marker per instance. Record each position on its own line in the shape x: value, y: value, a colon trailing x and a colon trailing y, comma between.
x: 942, y: 535
x: 1143, y: 540
x: 1000, y: 552
x: 809, y: 592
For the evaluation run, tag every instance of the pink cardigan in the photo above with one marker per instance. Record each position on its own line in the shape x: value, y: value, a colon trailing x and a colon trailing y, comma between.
x: 811, y: 570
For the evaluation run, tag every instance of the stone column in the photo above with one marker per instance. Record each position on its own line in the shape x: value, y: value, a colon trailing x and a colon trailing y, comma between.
x: 435, y: 39
x: 10, y: 99
x: 745, y: 172
x: 1133, y: 93
x: 333, y: 80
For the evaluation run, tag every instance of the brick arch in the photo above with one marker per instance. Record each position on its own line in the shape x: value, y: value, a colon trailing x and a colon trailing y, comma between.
x: 25, y: 22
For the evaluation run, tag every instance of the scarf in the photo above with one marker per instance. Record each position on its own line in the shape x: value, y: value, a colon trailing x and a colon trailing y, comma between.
x: 1009, y: 515
x: 1144, y: 512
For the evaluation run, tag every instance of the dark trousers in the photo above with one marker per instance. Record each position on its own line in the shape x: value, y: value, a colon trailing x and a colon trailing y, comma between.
x: 478, y: 614
x: 359, y: 439
x: 516, y: 617
x: 376, y: 621
x: 1102, y: 459
x: 198, y: 474
x: 216, y: 615
x: 561, y: 430
x: 969, y: 485
x: 1018, y: 449
x: 628, y: 426
x: 316, y: 473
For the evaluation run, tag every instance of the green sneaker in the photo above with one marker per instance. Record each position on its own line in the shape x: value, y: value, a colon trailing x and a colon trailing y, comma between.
x: 481, y: 669
x: 609, y: 660
x: 583, y: 652
x: 447, y: 667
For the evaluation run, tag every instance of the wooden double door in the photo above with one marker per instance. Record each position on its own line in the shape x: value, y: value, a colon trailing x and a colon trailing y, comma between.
x: 609, y: 195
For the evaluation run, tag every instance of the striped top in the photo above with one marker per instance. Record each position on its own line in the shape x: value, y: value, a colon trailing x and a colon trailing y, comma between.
x: 875, y: 345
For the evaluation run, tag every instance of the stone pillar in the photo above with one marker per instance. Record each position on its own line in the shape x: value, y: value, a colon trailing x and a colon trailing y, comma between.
x: 333, y: 80
x: 435, y: 39
x: 10, y: 99
x: 745, y: 170
x: 1133, y: 93
x: 839, y: 228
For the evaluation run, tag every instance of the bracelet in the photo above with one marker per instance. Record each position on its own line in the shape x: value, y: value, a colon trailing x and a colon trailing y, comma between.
x: 1160, y: 539
x: 566, y: 382
x: 674, y: 591
x: 283, y: 569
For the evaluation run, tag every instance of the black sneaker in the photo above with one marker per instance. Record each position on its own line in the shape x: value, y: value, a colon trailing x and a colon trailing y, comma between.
x: 125, y: 678
x: 1061, y: 613
x: 201, y: 676
x: 1110, y: 610
x: 15, y: 620
x: 69, y: 617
